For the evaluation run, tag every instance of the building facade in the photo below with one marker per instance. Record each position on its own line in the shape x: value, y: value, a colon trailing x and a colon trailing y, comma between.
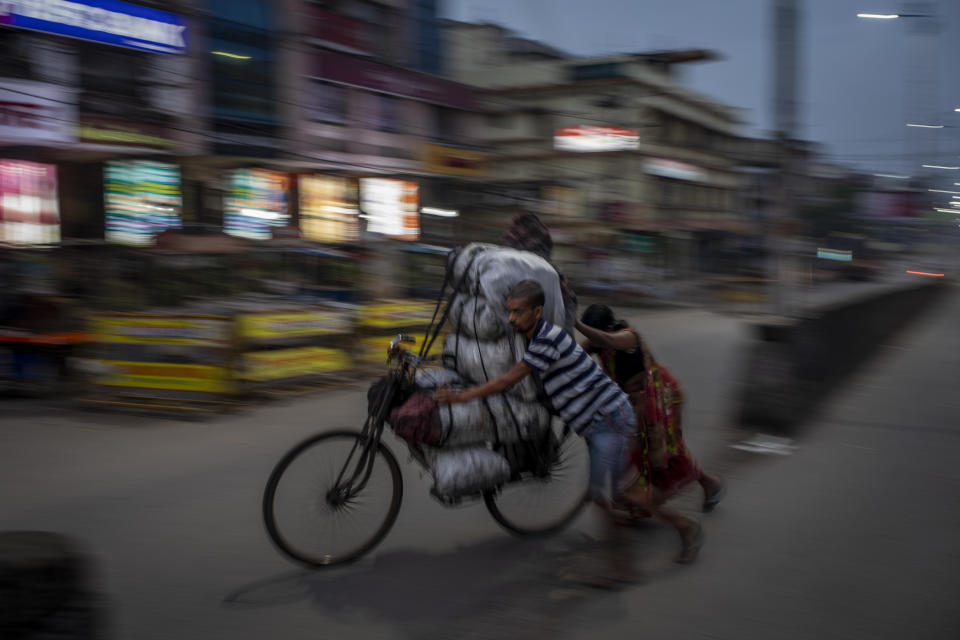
x: 612, y: 150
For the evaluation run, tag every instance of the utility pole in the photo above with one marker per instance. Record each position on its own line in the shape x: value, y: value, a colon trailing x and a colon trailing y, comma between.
x: 786, y: 75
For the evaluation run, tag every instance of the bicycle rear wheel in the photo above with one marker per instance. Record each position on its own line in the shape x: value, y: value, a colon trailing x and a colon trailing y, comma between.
x: 544, y: 505
x: 305, y: 517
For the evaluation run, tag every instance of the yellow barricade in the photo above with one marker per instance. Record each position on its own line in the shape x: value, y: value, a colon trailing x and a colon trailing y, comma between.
x: 280, y: 364
x: 389, y: 315
x: 294, y: 324
x: 163, y: 375
x: 373, y: 350
x: 142, y: 329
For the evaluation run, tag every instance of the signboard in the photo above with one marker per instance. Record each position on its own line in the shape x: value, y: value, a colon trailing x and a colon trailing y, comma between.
x: 328, y: 209
x: 29, y: 211
x: 101, y: 130
x: 33, y: 111
x: 391, y: 207
x: 107, y: 21
x: 340, y: 30
x: 890, y: 204
x: 351, y: 70
x: 396, y: 315
x: 453, y: 161
x: 591, y: 139
x: 141, y: 198
x: 279, y: 364
x: 163, y: 375
x: 639, y: 243
x: 161, y: 330
x: 373, y: 350
x: 294, y: 324
x: 674, y: 169
x: 563, y: 203
x: 255, y: 203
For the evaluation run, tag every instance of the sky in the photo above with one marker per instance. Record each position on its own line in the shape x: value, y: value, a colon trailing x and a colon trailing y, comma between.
x: 862, y: 80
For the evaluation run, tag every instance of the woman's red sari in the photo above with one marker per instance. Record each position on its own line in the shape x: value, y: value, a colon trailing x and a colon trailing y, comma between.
x: 659, y: 454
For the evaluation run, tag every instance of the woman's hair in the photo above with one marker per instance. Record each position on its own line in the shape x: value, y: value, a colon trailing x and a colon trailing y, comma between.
x: 528, y: 233
x: 598, y: 316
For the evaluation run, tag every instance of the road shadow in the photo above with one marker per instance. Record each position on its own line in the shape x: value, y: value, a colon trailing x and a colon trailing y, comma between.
x: 499, y: 588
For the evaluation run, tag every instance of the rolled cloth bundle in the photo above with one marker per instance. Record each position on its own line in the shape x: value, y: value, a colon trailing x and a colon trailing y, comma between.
x: 472, y: 316
x: 490, y: 272
x: 466, y: 470
x: 478, y: 361
x: 497, y: 418
x: 484, y: 346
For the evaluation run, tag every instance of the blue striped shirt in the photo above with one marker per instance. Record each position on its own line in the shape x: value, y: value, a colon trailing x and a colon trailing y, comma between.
x: 577, y: 387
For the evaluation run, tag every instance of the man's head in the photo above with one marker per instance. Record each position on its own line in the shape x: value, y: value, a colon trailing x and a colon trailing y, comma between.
x: 599, y: 316
x: 525, y: 306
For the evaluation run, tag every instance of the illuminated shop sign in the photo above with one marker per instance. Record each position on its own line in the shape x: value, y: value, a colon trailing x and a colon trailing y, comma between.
x: 255, y: 203
x: 391, y: 207
x: 328, y: 209
x: 674, y: 169
x: 29, y: 214
x: 107, y: 21
x: 142, y: 198
x: 588, y: 138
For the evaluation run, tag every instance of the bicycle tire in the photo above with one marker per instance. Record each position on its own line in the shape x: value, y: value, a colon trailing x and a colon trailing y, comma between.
x: 510, y: 517
x: 280, y: 532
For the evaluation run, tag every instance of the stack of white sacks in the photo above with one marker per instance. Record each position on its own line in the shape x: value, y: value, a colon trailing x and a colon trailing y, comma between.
x: 481, y: 347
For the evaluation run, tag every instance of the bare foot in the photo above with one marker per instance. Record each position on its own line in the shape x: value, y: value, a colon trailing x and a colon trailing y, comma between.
x: 692, y: 539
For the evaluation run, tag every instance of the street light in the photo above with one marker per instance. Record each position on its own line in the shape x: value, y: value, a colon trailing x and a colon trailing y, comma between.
x: 892, y: 16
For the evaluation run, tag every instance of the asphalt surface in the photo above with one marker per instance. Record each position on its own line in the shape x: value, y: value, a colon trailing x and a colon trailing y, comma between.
x: 851, y: 536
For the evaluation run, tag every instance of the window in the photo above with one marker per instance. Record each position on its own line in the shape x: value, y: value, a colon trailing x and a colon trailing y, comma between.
x: 498, y: 121
x: 328, y: 103
x: 597, y: 71
x: 388, y: 113
x: 445, y: 123
x: 244, y: 88
x: 366, y: 11
x: 380, y: 111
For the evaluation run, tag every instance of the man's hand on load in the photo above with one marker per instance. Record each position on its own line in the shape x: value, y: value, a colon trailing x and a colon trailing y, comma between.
x: 446, y: 395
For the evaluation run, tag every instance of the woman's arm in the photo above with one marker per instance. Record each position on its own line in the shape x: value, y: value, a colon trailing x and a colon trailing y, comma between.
x: 619, y: 341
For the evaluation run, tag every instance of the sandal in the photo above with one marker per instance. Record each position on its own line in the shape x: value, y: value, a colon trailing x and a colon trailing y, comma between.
x: 691, y: 546
x: 713, y: 500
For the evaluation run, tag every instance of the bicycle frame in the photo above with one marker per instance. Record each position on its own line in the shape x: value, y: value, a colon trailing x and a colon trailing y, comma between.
x: 403, y: 363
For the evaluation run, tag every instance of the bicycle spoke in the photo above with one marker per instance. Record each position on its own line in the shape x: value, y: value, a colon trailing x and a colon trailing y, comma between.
x: 541, y: 505
x: 311, y: 526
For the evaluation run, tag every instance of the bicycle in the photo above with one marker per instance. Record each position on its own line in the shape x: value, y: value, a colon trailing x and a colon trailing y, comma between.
x: 361, y: 485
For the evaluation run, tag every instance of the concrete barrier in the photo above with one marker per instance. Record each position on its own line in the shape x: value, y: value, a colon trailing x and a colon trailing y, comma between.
x: 794, y: 363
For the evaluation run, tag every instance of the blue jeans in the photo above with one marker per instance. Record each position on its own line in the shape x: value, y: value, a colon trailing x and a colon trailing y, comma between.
x: 608, y: 437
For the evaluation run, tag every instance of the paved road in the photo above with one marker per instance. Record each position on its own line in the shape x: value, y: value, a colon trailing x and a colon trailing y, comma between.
x: 850, y: 537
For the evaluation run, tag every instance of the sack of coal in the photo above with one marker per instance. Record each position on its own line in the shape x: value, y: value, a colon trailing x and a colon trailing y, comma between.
x: 466, y: 470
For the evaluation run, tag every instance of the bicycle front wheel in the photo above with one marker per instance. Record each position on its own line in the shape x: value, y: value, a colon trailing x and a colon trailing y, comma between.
x: 305, y: 517
x: 544, y: 505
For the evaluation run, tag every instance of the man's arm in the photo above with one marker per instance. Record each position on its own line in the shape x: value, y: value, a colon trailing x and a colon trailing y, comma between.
x: 497, y: 385
x: 619, y: 341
